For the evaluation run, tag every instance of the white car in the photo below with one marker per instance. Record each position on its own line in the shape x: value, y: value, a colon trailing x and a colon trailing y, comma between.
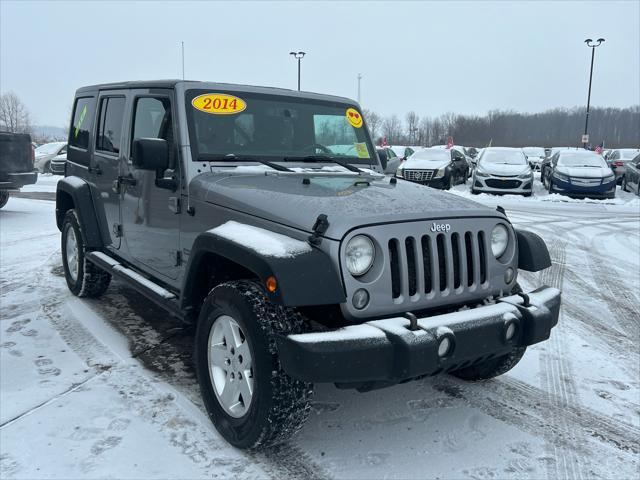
x: 502, y: 170
x: 45, y: 153
x: 535, y: 156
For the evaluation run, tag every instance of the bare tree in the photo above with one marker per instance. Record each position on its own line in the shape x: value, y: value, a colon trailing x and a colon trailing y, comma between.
x: 392, y: 129
x: 374, y: 121
x: 14, y: 116
x: 412, y: 126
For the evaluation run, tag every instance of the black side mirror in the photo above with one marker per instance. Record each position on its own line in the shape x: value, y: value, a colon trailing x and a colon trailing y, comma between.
x: 150, y: 154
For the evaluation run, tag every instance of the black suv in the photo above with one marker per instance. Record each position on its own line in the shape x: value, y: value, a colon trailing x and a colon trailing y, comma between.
x: 261, y: 216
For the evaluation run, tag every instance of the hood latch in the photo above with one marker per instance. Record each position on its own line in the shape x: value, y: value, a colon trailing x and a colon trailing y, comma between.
x: 321, y: 226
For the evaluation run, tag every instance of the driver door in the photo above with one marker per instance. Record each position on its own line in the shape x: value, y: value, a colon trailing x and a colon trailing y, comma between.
x: 150, y: 213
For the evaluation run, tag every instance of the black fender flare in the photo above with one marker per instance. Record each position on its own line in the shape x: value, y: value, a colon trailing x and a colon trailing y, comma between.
x: 80, y: 192
x: 533, y: 254
x: 303, y: 280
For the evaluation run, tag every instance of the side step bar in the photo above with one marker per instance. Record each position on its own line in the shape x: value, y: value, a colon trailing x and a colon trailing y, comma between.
x: 154, y: 292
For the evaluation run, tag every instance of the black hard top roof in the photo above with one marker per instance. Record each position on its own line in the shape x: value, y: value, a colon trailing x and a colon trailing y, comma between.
x: 191, y: 84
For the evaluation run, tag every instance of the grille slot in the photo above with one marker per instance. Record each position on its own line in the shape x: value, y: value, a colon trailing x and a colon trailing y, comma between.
x: 438, y: 264
x: 495, y: 183
x: 394, y: 260
x: 426, y: 264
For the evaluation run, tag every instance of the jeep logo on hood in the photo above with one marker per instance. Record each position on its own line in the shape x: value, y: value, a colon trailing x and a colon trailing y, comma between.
x: 440, y: 227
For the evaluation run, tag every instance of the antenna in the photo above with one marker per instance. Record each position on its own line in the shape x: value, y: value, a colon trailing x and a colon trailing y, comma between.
x: 182, y: 60
x: 359, y: 78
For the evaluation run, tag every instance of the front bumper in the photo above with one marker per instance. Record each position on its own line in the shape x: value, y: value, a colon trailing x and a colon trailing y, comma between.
x: 572, y: 189
x: 495, y: 184
x: 387, y: 351
x: 14, y: 181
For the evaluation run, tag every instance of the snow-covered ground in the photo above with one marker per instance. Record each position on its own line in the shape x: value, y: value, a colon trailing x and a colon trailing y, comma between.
x: 106, y: 388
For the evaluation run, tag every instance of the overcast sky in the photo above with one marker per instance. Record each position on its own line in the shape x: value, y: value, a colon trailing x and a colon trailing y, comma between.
x: 431, y: 57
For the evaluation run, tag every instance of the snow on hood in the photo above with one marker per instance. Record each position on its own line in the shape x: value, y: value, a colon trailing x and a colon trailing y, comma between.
x: 264, y: 242
x: 503, y: 169
x: 424, y: 163
x: 348, y: 200
x: 585, y: 172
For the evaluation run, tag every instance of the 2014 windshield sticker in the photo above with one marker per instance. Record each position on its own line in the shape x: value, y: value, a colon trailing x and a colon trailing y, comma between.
x: 219, y: 103
x: 354, y: 117
x: 361, y: 150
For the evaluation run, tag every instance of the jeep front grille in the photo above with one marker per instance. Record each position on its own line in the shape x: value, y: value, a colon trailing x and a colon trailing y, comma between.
x: 418, y: 175
x: 437, y: 264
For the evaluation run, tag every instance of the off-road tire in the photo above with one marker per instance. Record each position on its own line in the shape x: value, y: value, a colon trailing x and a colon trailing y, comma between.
x: 91, y: 281
x: 280, y: 404
x: 4, y: 198
x: 491, y: 368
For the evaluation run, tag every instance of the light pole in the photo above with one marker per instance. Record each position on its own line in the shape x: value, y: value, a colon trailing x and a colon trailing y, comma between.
x: 593, y: 46
x: 298, y: 56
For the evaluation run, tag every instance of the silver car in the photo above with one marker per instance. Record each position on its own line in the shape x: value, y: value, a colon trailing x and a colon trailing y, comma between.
x: 503, y: 170
x: 617, y: 159
x: 535, y: 156
x: 45, y: 153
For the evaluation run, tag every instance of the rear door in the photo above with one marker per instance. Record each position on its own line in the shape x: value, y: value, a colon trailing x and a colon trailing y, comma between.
x: 107, y: 157
x: 150, y: 214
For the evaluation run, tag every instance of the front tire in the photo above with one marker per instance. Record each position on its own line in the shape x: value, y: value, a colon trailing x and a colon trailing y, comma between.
x: 4, y: 198
x: 84, y: 279
x: 265, y: 406
x: 491, y: 368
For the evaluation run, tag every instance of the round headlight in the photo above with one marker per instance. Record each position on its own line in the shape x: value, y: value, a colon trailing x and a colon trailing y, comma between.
x: 499, y: 240
x: 360, y: 254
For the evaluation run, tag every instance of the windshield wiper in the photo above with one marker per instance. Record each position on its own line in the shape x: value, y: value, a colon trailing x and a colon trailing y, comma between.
x: 324, y: 158
x: 231, y: 157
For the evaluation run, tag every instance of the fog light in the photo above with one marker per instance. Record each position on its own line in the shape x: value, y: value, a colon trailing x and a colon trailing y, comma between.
x: 360, y: 299
x: 509, y: 274
x: 510, y: 331
x: 444, y: 347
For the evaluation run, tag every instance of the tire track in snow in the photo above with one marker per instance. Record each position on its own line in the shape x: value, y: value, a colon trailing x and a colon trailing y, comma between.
x: 557, y: 377
x: 616, y: 295
x: 531, y: 409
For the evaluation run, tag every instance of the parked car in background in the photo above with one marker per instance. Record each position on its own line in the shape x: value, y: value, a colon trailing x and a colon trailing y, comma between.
x: 57, y: 164
x: 535, y: 157
x: 45, y: 153
x: 16, y: 163
x: 388, y: 159
x: 503, y: 170
x: 404, y: 152
x: 580, y: 173
x: 435, y: 167
x: 619, y: 158
x: 631, y: 178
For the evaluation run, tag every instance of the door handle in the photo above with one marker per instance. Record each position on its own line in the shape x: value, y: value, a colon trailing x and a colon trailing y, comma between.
x: 128, y: 180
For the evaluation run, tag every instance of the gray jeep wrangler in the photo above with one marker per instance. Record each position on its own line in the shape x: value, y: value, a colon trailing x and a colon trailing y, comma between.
x: 261, y: 216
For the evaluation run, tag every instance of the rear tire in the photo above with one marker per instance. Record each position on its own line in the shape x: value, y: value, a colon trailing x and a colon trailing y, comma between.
x: 84, y: 279
x: 277, y: 404
x: 491, y: 368
x: 4, y: 198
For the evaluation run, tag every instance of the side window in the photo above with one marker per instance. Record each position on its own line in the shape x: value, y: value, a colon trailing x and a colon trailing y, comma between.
x: 110, y: 124
x: 152, y: 119
x: 83, y: 113
x: 391, y: 153
x: 614, y: 156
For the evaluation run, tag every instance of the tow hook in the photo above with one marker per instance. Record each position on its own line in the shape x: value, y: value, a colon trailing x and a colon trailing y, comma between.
x: 525, y: 298
x: 413, y: 321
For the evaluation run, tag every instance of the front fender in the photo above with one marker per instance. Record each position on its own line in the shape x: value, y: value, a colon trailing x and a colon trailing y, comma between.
x: 303, y: 280
x: 533, y: 254
x: 79, y: 192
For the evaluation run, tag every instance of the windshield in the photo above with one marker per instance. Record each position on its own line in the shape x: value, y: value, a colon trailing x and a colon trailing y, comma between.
x: 49, y: 148
x: 533, y: 151
x: 628, y: 153
x: 435, y: 155
x: 277, y: 128
x: 586, y: 159
x: 505, y: 157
